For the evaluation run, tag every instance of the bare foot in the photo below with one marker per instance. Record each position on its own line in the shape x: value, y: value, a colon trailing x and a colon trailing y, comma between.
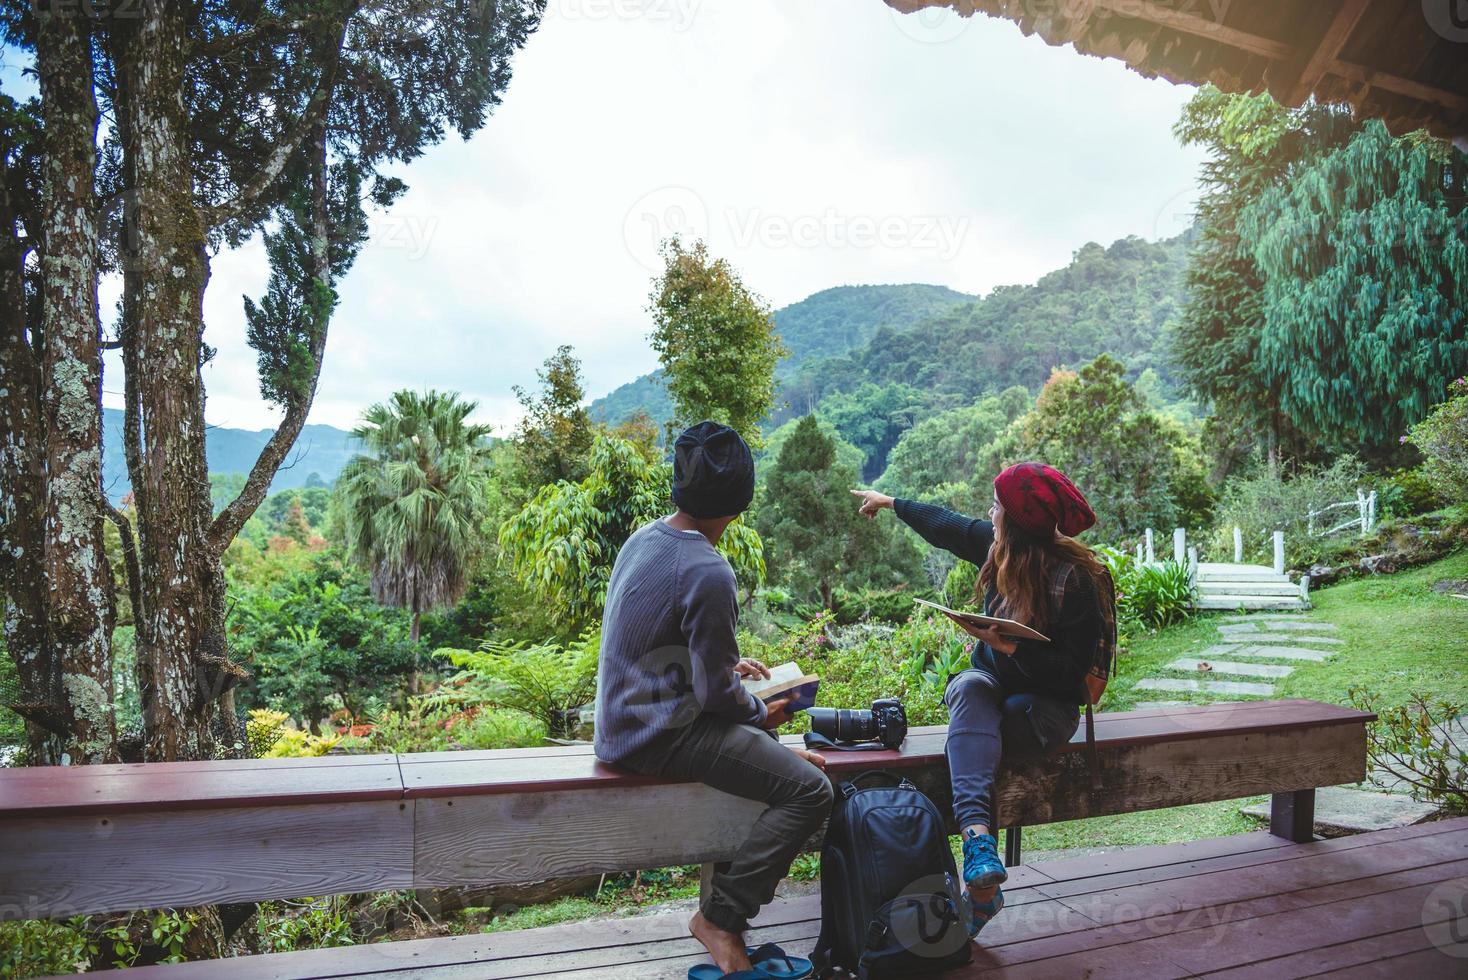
x: 726, y: 948
x: 983, y: 895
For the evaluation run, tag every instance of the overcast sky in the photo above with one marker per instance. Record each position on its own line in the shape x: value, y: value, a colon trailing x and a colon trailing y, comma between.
x: 814, y: 143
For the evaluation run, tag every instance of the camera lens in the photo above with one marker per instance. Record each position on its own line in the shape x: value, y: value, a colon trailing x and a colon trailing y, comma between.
x: 843, y: 724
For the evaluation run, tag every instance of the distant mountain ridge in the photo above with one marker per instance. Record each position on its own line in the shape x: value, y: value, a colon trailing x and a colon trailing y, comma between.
x: 829, y: 323
x: 320, y: 449
x: 954, y: 347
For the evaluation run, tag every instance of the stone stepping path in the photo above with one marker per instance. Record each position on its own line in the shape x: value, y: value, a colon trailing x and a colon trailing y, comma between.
x: 1177, y: 684
x: 1279, y: 638
x: 1269, y: 653
x: 1243, y: 641
x: 1193, y: 666
x: 1292, y: 625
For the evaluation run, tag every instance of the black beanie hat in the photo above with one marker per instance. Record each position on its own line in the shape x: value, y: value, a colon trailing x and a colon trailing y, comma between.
x: 713, y: 471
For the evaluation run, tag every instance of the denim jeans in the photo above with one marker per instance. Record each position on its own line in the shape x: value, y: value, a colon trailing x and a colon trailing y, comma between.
x: 985, y: 723
x: 745, y: 761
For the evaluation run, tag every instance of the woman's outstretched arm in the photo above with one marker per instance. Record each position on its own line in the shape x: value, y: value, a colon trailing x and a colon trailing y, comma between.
x: 965, y: 537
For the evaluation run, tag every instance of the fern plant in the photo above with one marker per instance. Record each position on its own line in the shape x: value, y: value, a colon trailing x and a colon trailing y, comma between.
x: 546, y: 681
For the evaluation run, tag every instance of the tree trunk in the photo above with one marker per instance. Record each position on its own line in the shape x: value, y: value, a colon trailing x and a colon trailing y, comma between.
x: 23, y: 494
x: 78, y: 576
x: 180, y: 637
x: 413, y: 637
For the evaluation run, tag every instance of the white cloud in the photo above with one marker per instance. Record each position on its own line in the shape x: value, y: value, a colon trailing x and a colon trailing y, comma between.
x: 819, y: 142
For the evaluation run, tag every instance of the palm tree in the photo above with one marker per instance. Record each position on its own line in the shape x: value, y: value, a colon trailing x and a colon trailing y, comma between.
x: 412, y: 504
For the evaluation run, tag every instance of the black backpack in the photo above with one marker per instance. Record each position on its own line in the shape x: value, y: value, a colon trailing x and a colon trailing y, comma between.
x: 892, y: 904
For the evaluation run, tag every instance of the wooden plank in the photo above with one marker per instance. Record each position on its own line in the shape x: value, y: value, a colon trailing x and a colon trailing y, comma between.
x: 61, y: 866
x: 1331, y: 958
x: 1286, y: 932
x: 1155, y: 776
x: 73, y: 790
x: 1066, y: 884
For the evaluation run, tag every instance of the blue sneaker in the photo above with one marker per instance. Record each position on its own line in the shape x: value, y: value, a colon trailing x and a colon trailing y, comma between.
x: 981, y: 864
x: 983, y: 912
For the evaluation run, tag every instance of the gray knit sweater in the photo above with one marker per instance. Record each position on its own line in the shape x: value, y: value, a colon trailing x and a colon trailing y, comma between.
x: 667, y: 643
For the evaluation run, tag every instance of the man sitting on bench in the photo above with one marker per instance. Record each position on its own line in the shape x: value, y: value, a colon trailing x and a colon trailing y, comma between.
x: 669, y: 702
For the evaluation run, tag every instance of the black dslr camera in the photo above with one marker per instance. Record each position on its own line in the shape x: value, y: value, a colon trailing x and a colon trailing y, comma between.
x: 886, y: 722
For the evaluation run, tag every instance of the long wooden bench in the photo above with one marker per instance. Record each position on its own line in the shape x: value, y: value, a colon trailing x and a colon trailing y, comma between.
x: 110, y: 838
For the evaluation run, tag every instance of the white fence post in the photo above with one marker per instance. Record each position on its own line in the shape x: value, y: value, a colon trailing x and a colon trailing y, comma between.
x: 1151, y: 555
x: 1179, y: 545
x: 1238, y: 546
x: 1139, y: 552
x: 1279, y: 552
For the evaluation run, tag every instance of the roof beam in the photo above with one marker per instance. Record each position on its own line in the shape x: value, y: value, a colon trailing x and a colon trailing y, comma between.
x: 1400, y: 86
x: 1337, y: 33
x: 1213, y: 30
x: 1198, y: 26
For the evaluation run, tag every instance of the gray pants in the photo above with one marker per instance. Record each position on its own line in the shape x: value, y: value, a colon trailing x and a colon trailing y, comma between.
x: 745, y: 761
x: 986, y: 723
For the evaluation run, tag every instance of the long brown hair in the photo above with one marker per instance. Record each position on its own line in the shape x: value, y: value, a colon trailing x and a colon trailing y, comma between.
x: 1020, y: 568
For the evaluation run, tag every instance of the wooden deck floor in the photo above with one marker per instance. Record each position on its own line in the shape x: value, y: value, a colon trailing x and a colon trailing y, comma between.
x: 1393, y: 903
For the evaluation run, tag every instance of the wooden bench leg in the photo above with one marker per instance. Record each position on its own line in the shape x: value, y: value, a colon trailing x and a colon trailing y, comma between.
x: 1292, y: 815
x: 1012, y: 857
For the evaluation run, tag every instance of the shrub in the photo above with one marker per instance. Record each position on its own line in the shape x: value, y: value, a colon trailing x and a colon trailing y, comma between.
x: 1443, y: 439
x: 1147, y: 597
x: 40, y: 947
x: 1406, y: 493
x: 892, y: 605
x: 1267, y: 502
x: 958, y: 588
x: 270, y: 736
x: 1415, y: 743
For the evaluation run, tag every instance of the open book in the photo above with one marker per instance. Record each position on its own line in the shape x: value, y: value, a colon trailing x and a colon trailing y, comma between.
x: 786, y: 680
x: 1006, y: 627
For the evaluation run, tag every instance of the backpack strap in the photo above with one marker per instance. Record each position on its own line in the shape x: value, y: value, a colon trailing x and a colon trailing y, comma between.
x: 1093, y: 757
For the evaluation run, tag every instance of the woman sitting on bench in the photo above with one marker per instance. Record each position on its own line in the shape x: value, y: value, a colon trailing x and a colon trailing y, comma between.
x: 1021, y: 697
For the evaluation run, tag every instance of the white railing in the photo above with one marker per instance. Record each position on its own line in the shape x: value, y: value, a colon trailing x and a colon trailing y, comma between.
x: 1365, y: 506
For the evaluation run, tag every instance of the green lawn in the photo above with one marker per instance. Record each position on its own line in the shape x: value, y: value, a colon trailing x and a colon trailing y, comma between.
x: 1400, y: 637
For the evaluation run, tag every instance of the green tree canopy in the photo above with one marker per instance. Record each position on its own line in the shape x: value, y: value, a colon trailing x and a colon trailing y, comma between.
x: 716, y: 341
x: 949, y: 447
x: 1131, y: 464
x: 808, y: 520
x: 1329, y: 292
x: 563, y: 543
x: 872, y: 418
x: 554, y: 438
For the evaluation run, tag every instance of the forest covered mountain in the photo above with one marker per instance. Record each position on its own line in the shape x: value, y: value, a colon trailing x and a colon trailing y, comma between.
x: 827, y: 324
x: 946, y: 348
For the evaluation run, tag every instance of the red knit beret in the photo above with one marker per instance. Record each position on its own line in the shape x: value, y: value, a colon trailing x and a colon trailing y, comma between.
x: 1040, y: 499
